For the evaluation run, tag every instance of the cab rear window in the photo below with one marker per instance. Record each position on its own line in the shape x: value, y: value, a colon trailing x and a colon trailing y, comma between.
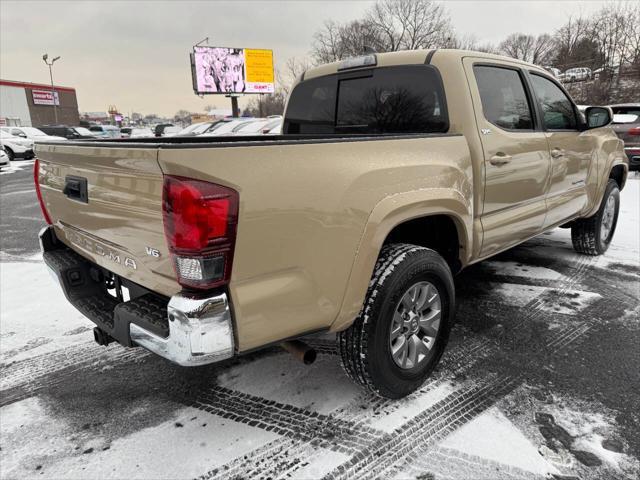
x: 406, y: 99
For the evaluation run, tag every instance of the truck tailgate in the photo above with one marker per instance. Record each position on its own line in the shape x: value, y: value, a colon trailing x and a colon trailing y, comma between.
x: 119, y: 223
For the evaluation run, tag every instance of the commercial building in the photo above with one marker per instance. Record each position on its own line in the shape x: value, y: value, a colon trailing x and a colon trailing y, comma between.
x: 32, y: 104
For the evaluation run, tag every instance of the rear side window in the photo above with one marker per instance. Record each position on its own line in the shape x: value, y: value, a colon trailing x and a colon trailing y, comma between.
x: 504, y: 100
x: 312, y: 107
x: 557, y: 109
x: 408, y: 99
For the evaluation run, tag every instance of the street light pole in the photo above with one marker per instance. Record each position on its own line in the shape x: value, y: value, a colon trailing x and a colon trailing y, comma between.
x: 53, y: 90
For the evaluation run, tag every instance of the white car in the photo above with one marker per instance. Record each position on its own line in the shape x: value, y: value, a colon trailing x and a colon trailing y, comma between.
x: 171, y: 131
x: 105, y: 131
x: 228, y: 127
x: 576, y: 75
x: 276, y: 129
x: 144, y: 132
x: 4, y: 159
x: 196, y: 129
x: 261, y: 126
x: 16, y: 147
x: 32, y: 134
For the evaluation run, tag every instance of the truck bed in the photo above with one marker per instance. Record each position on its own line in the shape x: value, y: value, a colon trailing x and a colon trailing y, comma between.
x: 305, y: 203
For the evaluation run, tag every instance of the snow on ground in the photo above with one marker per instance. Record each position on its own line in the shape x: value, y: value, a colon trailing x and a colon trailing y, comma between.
x: 492, y: 436
x: 17, y: 166
x: 519, y: 270
x: 297, y: 384
x: 175, y: 448
x: 36, y: 318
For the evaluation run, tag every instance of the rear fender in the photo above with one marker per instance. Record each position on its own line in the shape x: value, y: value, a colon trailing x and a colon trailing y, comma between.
x: 389, y: 213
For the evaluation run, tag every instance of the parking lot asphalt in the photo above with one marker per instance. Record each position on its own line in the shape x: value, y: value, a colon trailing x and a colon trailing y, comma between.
x: 541, y: 379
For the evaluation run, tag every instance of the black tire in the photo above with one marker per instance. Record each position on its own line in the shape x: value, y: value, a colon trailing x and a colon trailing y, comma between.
x: 365, y: 346
x: 10, y: 153
x: 586, y: 233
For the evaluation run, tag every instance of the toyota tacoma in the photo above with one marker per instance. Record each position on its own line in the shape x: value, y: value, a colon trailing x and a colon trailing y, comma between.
x: 394, y: 171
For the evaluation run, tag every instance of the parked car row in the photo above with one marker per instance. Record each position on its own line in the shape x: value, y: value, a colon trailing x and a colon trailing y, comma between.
x: 18, y: 141
x: 231, y: 126
x: 580, y: 74
x: 246, y: 126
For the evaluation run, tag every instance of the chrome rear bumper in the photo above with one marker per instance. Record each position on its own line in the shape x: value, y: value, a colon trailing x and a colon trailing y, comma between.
x: 200, y: 331
x: 189, y: 330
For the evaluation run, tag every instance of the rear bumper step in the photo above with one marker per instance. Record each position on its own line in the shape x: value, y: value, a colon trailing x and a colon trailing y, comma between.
x: 185, y: 329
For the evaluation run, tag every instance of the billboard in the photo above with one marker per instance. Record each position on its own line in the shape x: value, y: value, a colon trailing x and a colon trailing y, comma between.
x: 232, y: 70
x: 44, y: 97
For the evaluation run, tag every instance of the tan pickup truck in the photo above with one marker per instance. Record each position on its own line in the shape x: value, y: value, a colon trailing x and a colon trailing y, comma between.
x: 394, y: 171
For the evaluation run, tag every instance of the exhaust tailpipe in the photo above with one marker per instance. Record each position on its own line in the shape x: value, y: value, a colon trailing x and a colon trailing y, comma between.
x: 101, y: 337
x: 300, y: 351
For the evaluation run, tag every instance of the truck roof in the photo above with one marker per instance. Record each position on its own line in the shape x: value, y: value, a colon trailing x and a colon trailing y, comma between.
x: 409, y: 57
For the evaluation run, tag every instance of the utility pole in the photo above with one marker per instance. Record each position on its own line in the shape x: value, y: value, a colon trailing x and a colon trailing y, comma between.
x: 53, y: 90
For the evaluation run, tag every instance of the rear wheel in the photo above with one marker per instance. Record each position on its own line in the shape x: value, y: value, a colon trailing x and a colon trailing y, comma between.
x: 10, y: 153
x: 403, y: 328
x: 593, y: 235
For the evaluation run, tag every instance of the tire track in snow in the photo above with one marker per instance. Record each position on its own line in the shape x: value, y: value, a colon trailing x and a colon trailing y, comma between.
x: 25, y: 378
x: 285, y: 419
x: 425, y: 429
x: 449, y: 464
x: 289, y: 460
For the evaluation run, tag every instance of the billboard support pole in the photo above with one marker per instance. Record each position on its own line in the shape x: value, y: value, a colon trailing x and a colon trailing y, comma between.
x: 235, y: 111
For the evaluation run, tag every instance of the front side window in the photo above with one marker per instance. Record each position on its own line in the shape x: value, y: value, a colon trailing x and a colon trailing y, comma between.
x: 557, y: 110
x: 504, y: 100
x: 404, y: 100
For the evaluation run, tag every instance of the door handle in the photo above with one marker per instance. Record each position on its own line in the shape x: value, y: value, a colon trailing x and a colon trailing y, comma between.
x: 557, y: 153
x: 500, y: 159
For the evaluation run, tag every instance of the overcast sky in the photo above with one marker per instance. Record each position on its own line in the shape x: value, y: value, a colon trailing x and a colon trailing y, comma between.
x: 135, y: 54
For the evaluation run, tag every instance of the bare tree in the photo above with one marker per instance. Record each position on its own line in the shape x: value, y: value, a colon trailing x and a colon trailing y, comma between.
x: 293, y: 68
x: 265, y: 105
x: 633, y: 53
x: 388, y: 26
x: 538, y: 50
x: 409, y: 25
x: 327, y: 43
x: 572, y: 37
x: 471, y: 42
x: 615, y: 29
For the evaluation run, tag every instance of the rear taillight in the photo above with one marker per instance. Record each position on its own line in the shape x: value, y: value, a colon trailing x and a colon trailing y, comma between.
x: 634, y: 131
x: 36, y: 181
x: 200, y: 220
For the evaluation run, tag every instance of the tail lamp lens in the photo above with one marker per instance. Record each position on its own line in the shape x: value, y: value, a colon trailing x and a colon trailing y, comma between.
x: 200, y: 221
x: 634, y: 131
x: 36, y: 181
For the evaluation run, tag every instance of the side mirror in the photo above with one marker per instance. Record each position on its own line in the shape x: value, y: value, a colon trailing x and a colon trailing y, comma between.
x: 598, y: 117
x: 22, y: 135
